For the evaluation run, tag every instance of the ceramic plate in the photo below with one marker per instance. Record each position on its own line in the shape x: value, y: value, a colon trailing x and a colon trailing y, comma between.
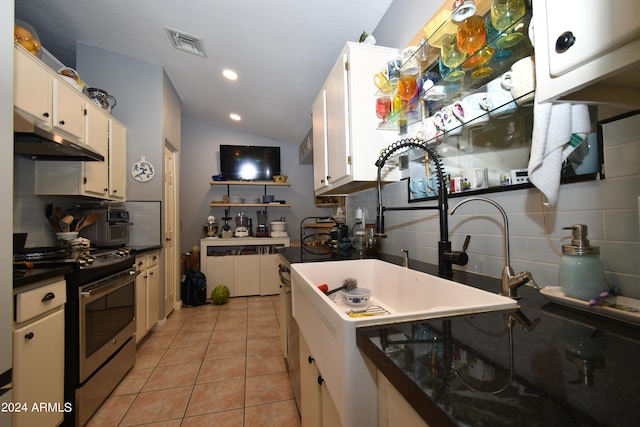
x: 626, y: 309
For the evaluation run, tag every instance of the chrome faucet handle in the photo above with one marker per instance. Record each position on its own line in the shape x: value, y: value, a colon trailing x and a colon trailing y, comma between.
x: 511, y: 282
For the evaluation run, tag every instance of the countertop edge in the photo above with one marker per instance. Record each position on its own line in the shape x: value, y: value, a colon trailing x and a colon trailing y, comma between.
x: 40, y: 274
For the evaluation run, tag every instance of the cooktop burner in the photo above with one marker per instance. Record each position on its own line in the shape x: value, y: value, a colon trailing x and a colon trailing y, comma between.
x: 43, y: 257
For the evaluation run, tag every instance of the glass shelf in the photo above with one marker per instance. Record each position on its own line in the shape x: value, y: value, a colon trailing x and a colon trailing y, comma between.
x: 448, y: 89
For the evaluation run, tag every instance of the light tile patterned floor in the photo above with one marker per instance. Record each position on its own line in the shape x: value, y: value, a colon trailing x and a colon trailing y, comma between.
x: 209, y: 366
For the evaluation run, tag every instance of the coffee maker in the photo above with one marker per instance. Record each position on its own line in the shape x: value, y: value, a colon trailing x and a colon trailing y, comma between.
x: 261, y: 229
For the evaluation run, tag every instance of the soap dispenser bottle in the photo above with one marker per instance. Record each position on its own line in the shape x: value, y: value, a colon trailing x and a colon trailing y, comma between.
x: 581, y: 272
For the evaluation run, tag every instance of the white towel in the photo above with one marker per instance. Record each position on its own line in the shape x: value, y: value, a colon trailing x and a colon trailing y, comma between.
x: 554, y: 124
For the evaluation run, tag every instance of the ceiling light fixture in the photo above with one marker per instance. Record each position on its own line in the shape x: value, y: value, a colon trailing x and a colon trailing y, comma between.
x: 230, y: 74
x: 186, y: 42
x: 235, y: 117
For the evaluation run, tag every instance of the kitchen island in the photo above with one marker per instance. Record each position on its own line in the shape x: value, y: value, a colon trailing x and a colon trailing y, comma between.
x: 541, y: 364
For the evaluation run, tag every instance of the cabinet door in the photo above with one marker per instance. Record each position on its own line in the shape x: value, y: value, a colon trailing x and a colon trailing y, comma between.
x: 219, y: 272
x: 338, y: 154
x: 32, y: 88
x: 141, y: 300
x: 68, y: 110
x: 269, y: 278
x: 96, y: 174
x: 311, y: 391
x: 616, y: 23
x: 601, y: 66
x: 117, y: 161
x: 153, y: 296
x: 393, y: 409
x: 319, y: 123
x: 246, y: 275
x: 38, y: 369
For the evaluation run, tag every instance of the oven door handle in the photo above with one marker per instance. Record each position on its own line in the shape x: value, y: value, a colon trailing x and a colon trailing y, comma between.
x: 108, y: 285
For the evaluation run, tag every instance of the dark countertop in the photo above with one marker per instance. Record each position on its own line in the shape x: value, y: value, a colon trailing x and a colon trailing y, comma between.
x: 27, y: 277
x: 141, y: 249
x: 570, y: 368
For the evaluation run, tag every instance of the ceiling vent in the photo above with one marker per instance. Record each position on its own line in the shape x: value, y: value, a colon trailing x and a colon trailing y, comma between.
x: 186, y: 42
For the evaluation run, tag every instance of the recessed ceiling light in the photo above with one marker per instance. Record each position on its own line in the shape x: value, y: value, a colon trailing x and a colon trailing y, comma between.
x: 230, y: 74
x: 235, y: 117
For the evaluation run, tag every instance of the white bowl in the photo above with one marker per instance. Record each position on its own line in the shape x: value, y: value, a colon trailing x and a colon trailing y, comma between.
x: 358, y: 297
x: 67, y: 236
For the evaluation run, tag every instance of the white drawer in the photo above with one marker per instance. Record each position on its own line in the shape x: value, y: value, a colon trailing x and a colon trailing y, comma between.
x: 152, y: 259
x: 141, y: 263
x: 39, y: 300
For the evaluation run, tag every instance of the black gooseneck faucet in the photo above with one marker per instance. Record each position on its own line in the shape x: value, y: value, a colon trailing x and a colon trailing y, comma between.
x: 446, y: 257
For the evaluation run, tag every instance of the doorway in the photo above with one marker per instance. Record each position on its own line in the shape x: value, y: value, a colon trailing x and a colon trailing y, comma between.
x: 170, y: 226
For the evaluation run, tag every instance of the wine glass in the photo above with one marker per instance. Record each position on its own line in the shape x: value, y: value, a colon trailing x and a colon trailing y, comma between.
x: 407, y: 89
x: 383, y: 108
x: 504, y: 13
x: 471, y: 38
x: 452, y: 57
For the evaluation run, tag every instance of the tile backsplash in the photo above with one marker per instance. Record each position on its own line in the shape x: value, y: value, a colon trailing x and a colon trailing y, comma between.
x: 609, y: 207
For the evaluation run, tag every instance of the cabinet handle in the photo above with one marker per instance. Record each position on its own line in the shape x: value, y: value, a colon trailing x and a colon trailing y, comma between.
x: 565, y: 41
x: 61, y: 122
x: 106, y: 190
x: 310, y: 359
x: 320, y: 380
x: 45, y: 114
x: 168, y: 239
x: 140, y: 263
x: 29, y: 336
x: 155, y: 257
x: 48, y: 296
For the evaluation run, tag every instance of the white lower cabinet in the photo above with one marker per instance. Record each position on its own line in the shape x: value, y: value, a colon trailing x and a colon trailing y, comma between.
x: 38, y: 354
x: 246, y: 275
x: 393, y: 409
x: 243, y: 274
x: 147, y: 293
x: 317, y: 407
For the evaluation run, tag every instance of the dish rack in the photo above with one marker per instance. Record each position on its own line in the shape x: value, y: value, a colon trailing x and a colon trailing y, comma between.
x: 315, y: 234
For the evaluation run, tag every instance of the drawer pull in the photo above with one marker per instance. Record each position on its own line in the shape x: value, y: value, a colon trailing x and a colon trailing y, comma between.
x: 48, y: 296
x: 29, y: 336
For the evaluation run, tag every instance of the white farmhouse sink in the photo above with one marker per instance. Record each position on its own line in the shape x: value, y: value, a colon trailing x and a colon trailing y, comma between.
x: 330, y: 333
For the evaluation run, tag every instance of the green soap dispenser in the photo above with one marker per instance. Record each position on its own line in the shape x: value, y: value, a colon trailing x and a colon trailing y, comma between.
x: 581, y: 272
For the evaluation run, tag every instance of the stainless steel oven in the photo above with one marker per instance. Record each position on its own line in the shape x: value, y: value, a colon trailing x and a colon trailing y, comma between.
x: 106, y: 319
x: 100, y: 345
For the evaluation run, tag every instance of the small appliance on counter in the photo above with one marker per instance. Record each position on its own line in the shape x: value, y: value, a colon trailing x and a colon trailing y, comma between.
x: 279, y: 228
x: 242, y: 224
x: 226, y: 232
x: 261, y: 229
x: 211, y: 227
x: 106, y: 226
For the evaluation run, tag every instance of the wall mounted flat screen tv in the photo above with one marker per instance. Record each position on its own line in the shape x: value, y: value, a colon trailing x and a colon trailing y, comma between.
x: 249, y: 162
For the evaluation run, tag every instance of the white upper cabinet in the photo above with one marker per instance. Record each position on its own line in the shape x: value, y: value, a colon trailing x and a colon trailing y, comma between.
x: 588, y: 51
x: 346, y: 140
x: 117, y: 160
x: 319, y: 124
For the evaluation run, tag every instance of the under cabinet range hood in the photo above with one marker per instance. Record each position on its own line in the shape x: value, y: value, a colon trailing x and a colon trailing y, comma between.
x: 38, y: 143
